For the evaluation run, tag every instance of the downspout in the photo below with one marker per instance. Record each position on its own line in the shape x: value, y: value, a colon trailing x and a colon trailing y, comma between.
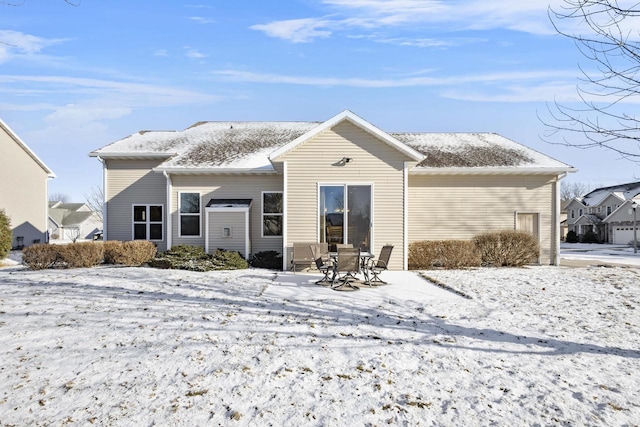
x: 169, y: 223
x: 285, y: 198
x: 405, y: 231
x: 46, y: 210
x: 556, y: 214
x: 104, y: 198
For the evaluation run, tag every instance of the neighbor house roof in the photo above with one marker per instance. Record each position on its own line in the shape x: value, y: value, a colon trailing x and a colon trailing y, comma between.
x: 622, y: 191
x: 251, y: 146
x: 67, y: 214
x: 24, y: 146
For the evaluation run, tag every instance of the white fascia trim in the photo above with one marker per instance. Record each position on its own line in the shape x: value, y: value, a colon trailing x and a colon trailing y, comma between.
x: 234, y: 209
x: 131, y: 155
x: 356, y: 120
x: 491, y: 171
x: 209, y: 171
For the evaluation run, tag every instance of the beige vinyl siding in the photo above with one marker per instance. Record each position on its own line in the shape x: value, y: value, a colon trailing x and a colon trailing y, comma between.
x: 233, y: 220
x: 23, y: 191
x: 132, y: 182
x: 374, y: 162
x: 460, y: 207
x: 227, y: 187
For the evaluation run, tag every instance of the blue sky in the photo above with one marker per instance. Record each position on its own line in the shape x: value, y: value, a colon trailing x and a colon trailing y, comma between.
x: 73, y: 79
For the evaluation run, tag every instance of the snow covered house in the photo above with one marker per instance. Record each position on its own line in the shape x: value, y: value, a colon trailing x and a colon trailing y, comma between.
x: 72, y: 221
x: 23, y: 189
x: 258, y: 186
x: 607, y: 211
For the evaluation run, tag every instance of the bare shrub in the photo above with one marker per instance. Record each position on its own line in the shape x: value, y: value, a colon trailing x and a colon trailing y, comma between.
x: 447, y: 254
x: 40, y: 256
x: 136, y: 252
x: 132, y: 253
x: 80, y: 255
x: 111, y: 250
x: 508, y: 248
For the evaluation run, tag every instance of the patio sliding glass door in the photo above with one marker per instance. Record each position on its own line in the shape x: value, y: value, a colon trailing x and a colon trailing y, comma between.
x: 345, y: 215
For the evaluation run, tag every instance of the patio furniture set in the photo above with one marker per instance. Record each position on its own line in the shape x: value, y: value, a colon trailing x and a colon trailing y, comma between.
x: 340, y: 269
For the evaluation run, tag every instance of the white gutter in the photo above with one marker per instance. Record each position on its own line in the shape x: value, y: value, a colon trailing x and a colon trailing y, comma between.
x: 169, y: 222
x: 491, y: 171
x: 209, y: 171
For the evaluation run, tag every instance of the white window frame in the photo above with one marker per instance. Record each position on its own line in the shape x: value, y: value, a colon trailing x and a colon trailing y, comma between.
x: 262, y: 214
x: 180, y: 214
x: 147, y: 222
x: 345, y: 185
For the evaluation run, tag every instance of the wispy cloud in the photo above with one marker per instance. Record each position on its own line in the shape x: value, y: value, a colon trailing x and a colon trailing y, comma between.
x: 194, y: 53
x: 347, y: 15
x: 297, y: 30
x: 406, y: 81
x: 14, y: 44
x: 85, y: 103
x: 202, y: 20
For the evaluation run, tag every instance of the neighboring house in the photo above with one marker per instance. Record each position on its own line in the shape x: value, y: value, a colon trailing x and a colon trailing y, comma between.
x: 72, y: 221
x: 23, y: 189
x: 257, y: 186
x: 606, y: 211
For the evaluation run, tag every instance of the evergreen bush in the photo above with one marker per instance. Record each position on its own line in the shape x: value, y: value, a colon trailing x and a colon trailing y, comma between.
x: 590, y: 237
x: 572, y: 237
x: 194, y: 258
x: 271, y: 260
x: 6, y: 237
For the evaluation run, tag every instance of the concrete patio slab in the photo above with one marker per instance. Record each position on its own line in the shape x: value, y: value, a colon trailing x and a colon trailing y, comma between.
x: 404, y: 286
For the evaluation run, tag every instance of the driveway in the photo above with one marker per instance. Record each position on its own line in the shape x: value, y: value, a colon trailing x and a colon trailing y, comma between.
x: 591, y: 254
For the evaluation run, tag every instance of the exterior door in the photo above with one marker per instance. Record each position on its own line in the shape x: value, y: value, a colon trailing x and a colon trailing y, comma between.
x: 345, y: 215
x: 529, y: 222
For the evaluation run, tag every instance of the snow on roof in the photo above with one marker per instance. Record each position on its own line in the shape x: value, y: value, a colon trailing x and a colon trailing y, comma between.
x: 242, y: 145
x: 447, y: 150
x: 247, y: 146
x: 623, y: 191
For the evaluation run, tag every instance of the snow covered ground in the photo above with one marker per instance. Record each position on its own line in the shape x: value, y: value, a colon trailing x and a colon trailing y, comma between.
x: 137, y: 346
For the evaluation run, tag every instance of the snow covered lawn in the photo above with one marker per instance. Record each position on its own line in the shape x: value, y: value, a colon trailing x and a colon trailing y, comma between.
x: 137, y: 346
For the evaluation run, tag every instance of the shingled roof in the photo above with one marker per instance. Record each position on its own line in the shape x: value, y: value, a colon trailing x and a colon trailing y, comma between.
x: 245, y: 146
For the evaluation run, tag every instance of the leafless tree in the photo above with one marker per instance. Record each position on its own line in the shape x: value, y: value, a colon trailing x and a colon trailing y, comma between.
x: 95, y: 201
x: 570, y: 190
x: 607, y: 33
x: 59, y: 197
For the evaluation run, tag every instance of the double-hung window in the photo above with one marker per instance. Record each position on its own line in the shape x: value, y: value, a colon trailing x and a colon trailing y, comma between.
x: 148, y: 222
x: 272, y: 216
x: 189, y: 214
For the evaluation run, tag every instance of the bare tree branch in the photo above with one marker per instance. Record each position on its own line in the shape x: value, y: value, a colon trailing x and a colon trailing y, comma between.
x: 610, y: 38
x: 95, y: 201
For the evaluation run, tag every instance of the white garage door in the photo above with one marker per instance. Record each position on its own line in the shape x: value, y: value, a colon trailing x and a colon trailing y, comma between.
x: 623, y: 235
